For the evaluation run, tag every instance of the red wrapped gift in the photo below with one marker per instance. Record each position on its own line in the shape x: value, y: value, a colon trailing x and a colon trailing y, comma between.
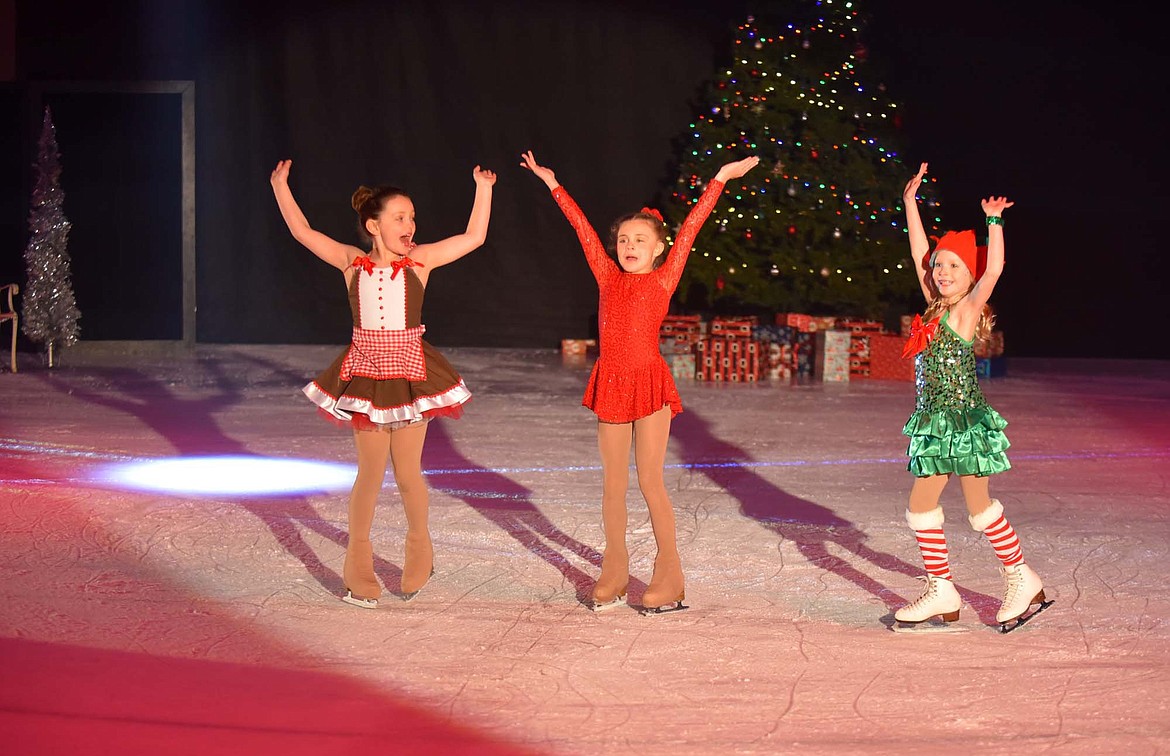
x: 885, y: 358
x: 799, y: 321
x: 738, y: 328
x: 577, y: 346
x: 726, y: 359
x: 860, y: 326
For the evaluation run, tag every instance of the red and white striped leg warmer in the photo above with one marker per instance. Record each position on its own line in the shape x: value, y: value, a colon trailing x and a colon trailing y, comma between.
x: 1000, y: 533
x: 932, y: 544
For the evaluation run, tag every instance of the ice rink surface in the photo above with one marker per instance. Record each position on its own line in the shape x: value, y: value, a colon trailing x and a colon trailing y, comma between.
x: 172, y: 528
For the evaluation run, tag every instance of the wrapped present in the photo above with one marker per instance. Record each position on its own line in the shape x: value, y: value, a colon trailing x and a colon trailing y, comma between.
x: 885, y: 358
x: 774, y: 334
x: 832, y: 356
x: 799, y: 321
x: 682, y: 366
x: 578, y: 346
x: 804, y: 350
x: 858, y: 354
x: 990, y: 367
x: 677, y: 344
x: 860, y: 326
x: 679, y: 333
x: 726, y: 359
x: 740, y: 328
x: 672, y: 325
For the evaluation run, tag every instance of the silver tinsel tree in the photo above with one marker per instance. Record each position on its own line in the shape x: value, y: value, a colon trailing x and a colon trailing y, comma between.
x: 50, y: 312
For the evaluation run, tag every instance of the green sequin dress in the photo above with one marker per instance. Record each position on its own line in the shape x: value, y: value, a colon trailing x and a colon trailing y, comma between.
x: 953, y: 428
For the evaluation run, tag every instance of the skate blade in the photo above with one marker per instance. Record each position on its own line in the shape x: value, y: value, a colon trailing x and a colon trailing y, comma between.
x: 1007, y: 627
x: 928, y: 628
x: 415, y: 592
x: 364, y: 603
x: 605, y: 606
x: 674, y: 606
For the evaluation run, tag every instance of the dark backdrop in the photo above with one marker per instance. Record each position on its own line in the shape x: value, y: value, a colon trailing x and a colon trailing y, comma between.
x: 1037, y: 103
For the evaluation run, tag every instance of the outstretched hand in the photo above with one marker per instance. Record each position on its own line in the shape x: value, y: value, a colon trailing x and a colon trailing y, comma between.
x: 280, y: 173
x: 995, y: 205
x: 736, y: 169
x: 528, y: 160
x: 483, y: 176
x: 911, y: 191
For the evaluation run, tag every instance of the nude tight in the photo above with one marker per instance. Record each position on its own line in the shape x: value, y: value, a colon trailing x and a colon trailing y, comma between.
x: 649, y: 436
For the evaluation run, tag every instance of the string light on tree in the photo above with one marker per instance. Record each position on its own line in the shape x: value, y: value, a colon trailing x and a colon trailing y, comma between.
x: 794, y: 92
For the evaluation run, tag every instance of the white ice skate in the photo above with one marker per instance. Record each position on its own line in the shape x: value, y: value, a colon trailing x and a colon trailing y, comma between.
x: 604, y: 606
x: 1023, y: 589
x: 939, y: 599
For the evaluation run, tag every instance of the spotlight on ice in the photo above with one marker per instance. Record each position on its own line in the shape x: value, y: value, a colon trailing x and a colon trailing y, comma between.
x: 228, y: 476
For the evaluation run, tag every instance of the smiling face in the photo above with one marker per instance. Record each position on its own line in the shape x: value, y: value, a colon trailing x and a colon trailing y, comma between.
x: 394, y: 226
x: 950, y: 274
x: 637, y: 244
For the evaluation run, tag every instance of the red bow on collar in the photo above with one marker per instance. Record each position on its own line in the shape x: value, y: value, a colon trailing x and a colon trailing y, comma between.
x: 362, y: 262
x: 405, y: 262
x: 920, y: 336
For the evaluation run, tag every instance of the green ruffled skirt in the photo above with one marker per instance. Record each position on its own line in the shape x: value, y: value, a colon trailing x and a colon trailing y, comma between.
x: 962, y: 442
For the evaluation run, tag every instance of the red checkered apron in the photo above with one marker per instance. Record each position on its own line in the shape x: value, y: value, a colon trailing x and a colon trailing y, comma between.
x: 383, y: 355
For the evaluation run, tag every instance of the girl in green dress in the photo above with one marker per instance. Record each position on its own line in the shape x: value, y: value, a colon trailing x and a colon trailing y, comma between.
x: 953, y: 430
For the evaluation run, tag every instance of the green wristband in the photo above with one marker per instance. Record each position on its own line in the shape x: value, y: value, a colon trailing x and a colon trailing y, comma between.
x: 995, y: 220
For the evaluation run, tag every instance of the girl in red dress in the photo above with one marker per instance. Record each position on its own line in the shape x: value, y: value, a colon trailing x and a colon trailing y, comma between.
x: 631, y: 389
x: 389, y: 382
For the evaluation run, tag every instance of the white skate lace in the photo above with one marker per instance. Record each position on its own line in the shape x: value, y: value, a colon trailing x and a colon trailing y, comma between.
x: 1015, y: 580
x: 928, y: 592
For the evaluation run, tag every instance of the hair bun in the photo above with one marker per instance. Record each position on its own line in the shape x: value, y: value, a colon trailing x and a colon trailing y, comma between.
x: 360, y: 197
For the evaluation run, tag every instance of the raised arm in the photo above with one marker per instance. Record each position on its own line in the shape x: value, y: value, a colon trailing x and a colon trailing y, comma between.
x: 993, y: 208
x: 919, y: 244
x: 331, y: 251
x: 437, y: 254
x: 672, y: 269
x: 599, y: 262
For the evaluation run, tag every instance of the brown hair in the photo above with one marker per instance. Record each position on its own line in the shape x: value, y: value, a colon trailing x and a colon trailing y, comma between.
x: 655, y: 222
x: 368, y: 204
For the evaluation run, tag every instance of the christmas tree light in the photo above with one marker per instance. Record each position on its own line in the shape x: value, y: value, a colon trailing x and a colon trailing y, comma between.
x: 820, y: 227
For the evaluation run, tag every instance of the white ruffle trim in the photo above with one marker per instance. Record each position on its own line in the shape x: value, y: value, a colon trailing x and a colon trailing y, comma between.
x: 344, y: 407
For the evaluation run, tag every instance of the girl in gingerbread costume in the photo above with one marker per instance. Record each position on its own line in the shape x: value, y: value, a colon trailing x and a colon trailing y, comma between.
x: 953, y: 430
x: 389, y: 382
x: 631, y: 389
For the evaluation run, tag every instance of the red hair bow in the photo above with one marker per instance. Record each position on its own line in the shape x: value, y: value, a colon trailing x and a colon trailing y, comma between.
x: 920, y: 336
x: 405, y: 262
x: 652, y: 211
x: 362, y: 262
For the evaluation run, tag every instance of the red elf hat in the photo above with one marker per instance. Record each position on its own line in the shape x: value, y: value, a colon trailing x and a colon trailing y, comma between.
x: 962, y: 243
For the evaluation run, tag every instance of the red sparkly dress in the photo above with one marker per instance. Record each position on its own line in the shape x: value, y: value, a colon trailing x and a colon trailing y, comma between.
x: 630, y: 379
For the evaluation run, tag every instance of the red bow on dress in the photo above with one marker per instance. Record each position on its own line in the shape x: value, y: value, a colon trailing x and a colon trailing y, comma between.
x: 362, y: 262
x: 405, y: 262
x: 920, y: 336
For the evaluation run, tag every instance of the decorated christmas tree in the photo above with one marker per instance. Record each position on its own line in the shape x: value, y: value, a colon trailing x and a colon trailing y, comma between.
x: 819, y: 226
x: 50, y: 313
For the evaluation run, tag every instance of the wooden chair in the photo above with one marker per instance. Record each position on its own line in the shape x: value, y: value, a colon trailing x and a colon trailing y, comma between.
x: 10, y: 315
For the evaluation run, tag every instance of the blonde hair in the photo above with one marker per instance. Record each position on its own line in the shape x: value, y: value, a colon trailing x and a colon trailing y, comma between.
x: 938, y: 305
